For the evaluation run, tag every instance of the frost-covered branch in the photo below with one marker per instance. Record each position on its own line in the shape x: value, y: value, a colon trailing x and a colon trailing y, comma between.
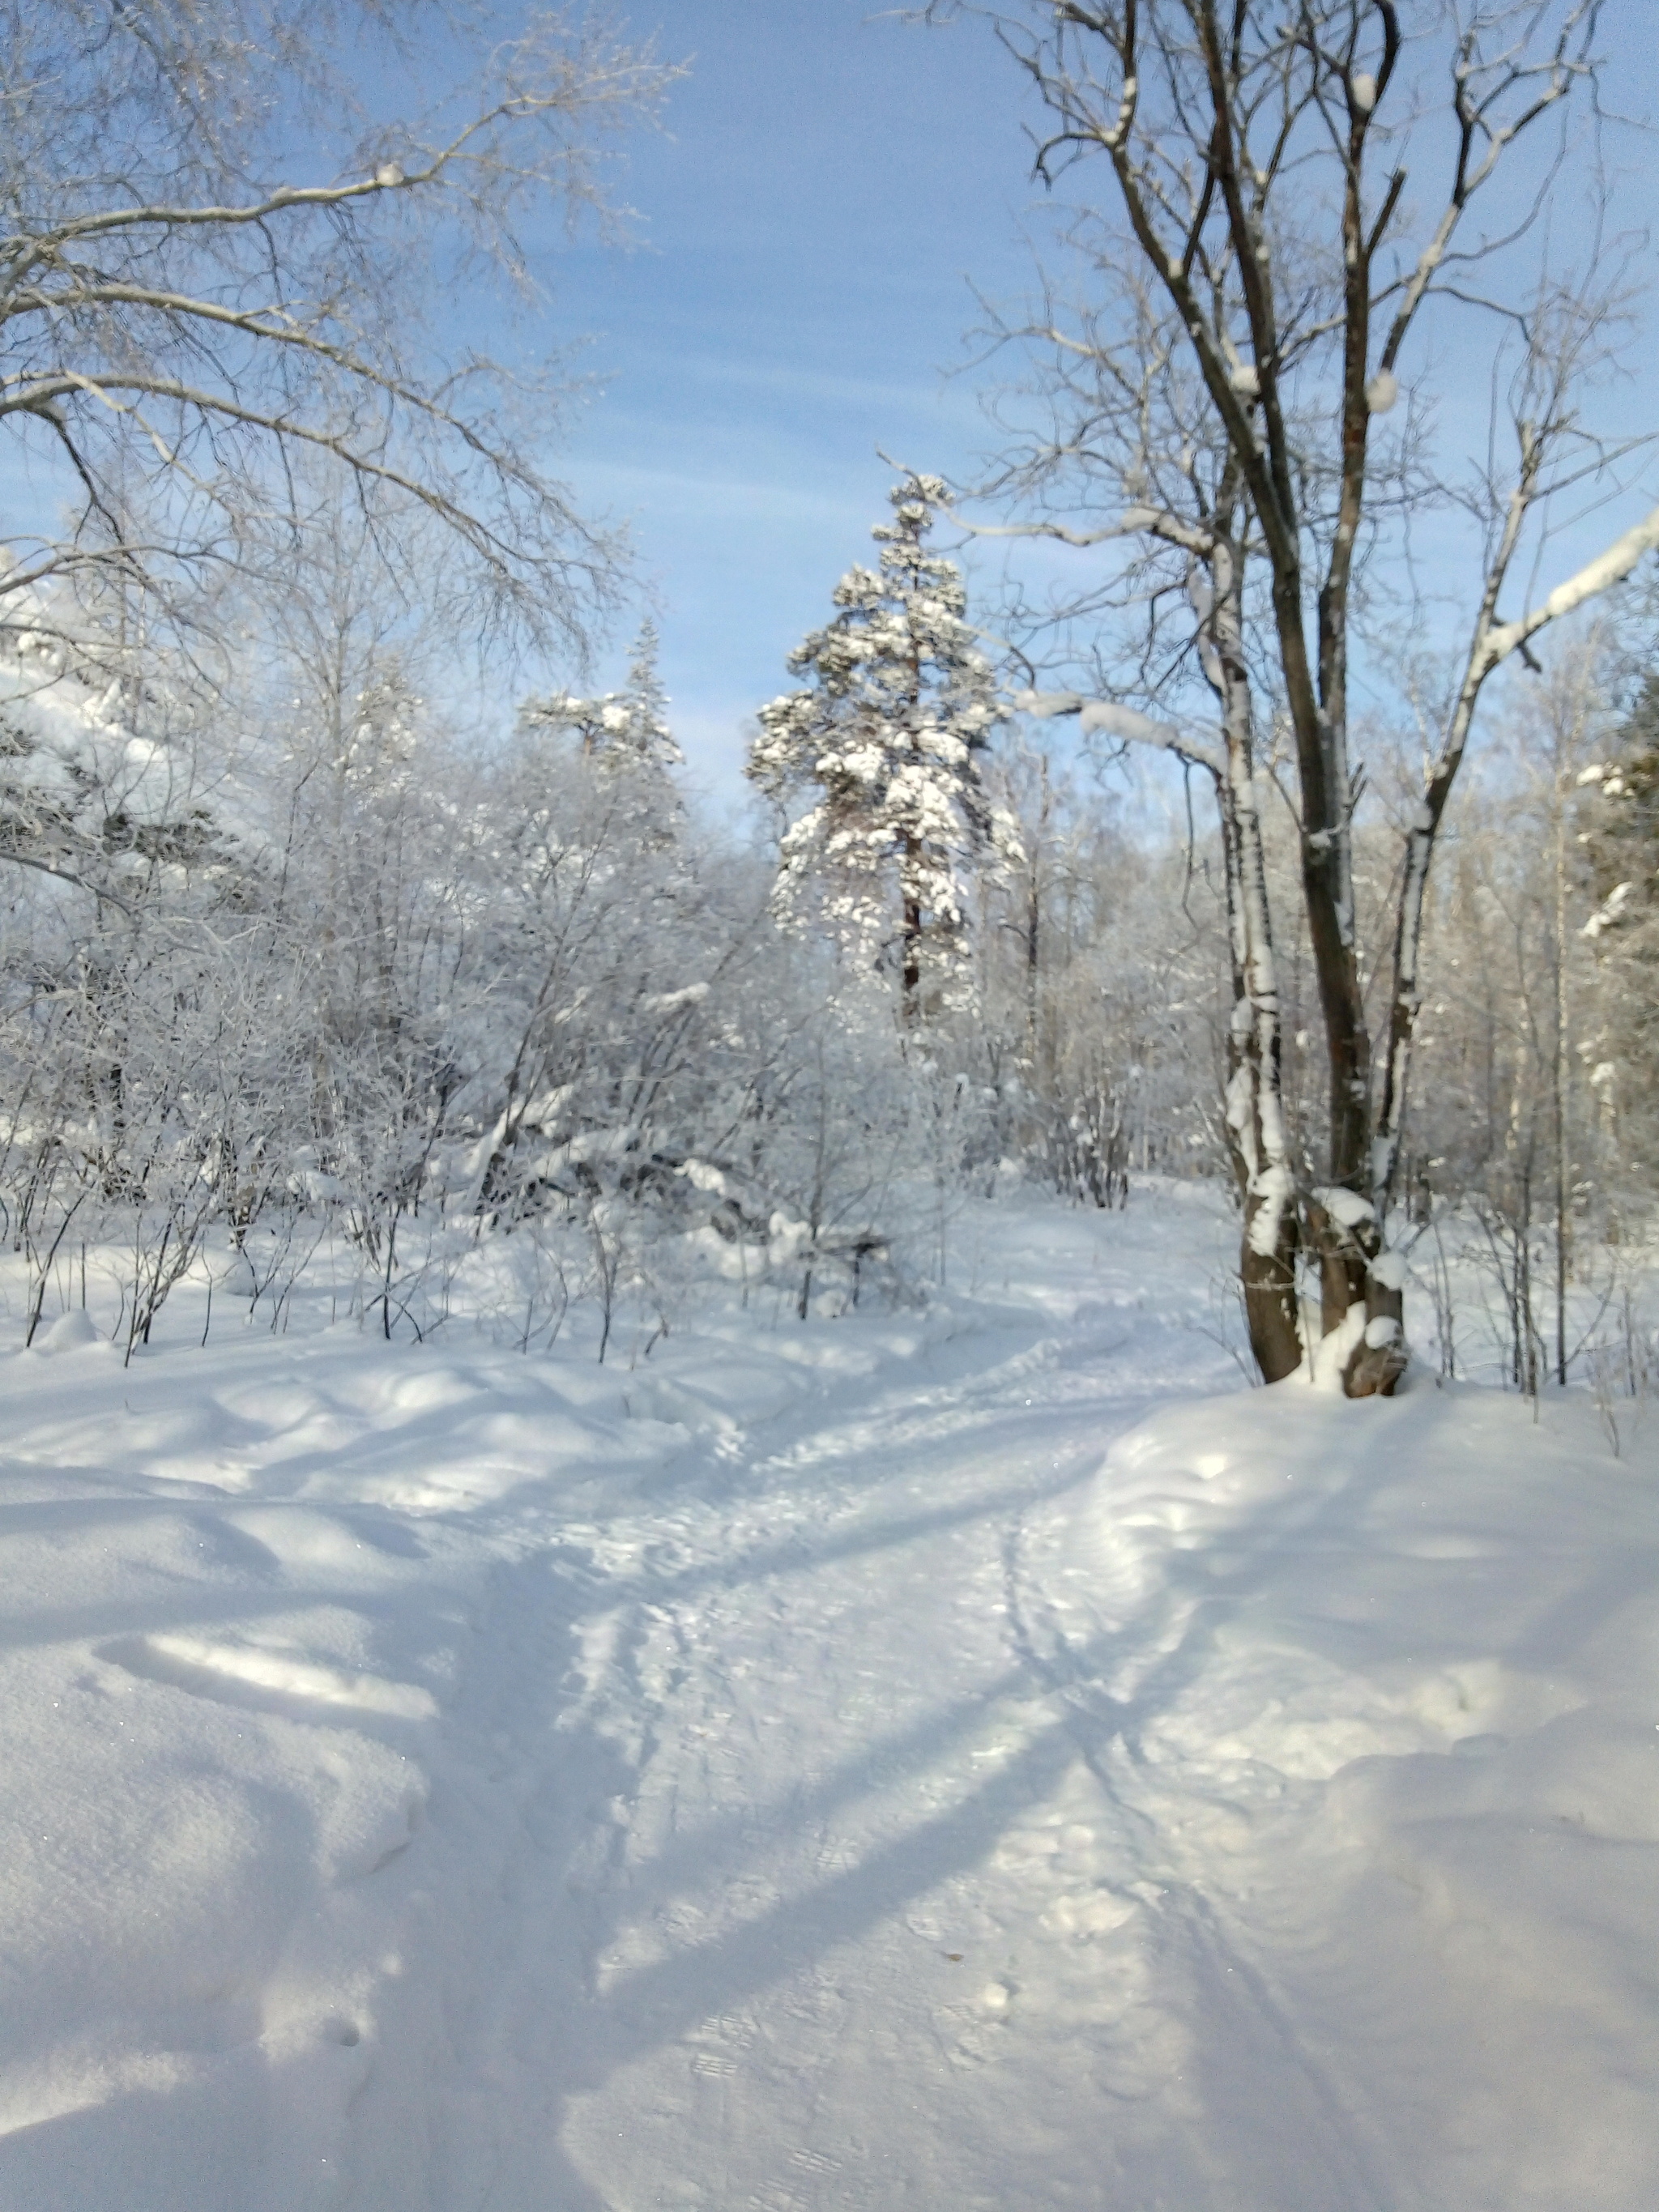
x: 1113, y: 720
x: 159, y: 246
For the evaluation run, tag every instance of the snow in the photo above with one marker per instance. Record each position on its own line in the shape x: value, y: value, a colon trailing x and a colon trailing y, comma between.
x: 1109, y: 716
x: 976, y: 1756
x: 1276, y: 1187
x: 1610, y: 912
x: 1345, y: 1207
x: 1383, y: 393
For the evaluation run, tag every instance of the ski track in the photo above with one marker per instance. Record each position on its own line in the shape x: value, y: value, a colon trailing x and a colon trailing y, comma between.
x: 774, y: 1892
x: 925, y: 1781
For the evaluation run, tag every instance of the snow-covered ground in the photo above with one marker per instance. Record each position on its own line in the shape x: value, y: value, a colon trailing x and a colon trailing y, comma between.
x: 979, y: 1758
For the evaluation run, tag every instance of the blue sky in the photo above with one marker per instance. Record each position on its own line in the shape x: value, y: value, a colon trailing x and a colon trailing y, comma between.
x: 827, y: 183
x: 830, y: 181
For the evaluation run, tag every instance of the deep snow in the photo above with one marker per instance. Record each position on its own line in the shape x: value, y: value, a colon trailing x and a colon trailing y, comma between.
x: 978, y: 1758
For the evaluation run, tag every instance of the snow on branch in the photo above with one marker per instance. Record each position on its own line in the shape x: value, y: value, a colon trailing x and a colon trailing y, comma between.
x: 1116, y: 720
x: 1607, y: 568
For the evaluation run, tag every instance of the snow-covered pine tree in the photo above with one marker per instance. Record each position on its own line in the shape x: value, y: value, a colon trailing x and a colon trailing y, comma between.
x: 647, y: 730
x: 902, y: 703
x: 625, y: 728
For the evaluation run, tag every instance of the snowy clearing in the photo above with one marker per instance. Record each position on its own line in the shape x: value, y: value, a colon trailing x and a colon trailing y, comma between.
x: 978, y: 1757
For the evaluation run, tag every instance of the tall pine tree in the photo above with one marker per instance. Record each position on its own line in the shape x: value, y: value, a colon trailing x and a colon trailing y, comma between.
x: 884, y: 746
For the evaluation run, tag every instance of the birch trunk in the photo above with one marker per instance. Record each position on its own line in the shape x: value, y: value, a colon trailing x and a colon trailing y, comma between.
x: 1255, y: 1109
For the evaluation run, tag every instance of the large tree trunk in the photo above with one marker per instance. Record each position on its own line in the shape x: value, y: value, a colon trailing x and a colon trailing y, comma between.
x: 1255, y: 1113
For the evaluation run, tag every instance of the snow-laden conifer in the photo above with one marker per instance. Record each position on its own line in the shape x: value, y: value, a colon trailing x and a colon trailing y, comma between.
x: 625, y: 728
x: 885, y: 745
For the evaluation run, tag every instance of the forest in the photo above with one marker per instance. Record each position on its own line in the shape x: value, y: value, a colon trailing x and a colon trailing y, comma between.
x: 894, y: 1446
x: 340, y: 928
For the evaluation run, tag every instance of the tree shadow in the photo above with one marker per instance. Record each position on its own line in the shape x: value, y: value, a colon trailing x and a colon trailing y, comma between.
x: 612, y: 2027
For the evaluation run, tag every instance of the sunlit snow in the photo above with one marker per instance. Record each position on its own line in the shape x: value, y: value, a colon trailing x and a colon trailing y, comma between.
x: 979, y: 1756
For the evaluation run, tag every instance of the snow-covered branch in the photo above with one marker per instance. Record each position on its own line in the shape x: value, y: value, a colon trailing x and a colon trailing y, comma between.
x: 1608, y: 567
x: 1113, y: 720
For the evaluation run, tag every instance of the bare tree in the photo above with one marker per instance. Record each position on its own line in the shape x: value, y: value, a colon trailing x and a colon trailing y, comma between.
x: 1093, y: 1031
x: 1267, y: 277
x: 201, y: 283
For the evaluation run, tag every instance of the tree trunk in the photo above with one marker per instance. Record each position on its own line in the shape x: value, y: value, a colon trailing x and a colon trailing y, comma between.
x: 1255, y: 1115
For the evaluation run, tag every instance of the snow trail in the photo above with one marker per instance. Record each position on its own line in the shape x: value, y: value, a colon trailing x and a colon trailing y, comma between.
x: 933, y: 1761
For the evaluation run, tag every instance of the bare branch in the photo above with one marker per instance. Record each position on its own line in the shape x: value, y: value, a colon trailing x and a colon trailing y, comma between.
x: 65, y: 876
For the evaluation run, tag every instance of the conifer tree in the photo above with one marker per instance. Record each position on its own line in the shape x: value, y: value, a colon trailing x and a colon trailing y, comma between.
x: 625, y: 728
x: 885, y: 744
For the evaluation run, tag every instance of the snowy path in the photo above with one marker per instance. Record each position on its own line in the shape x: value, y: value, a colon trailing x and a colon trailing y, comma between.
x: 810, y: 1723
x: 867, y: 1767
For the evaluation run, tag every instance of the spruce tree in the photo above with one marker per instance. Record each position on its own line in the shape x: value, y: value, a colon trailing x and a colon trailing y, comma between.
x: 884, y: 746
x: 624, y: 729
